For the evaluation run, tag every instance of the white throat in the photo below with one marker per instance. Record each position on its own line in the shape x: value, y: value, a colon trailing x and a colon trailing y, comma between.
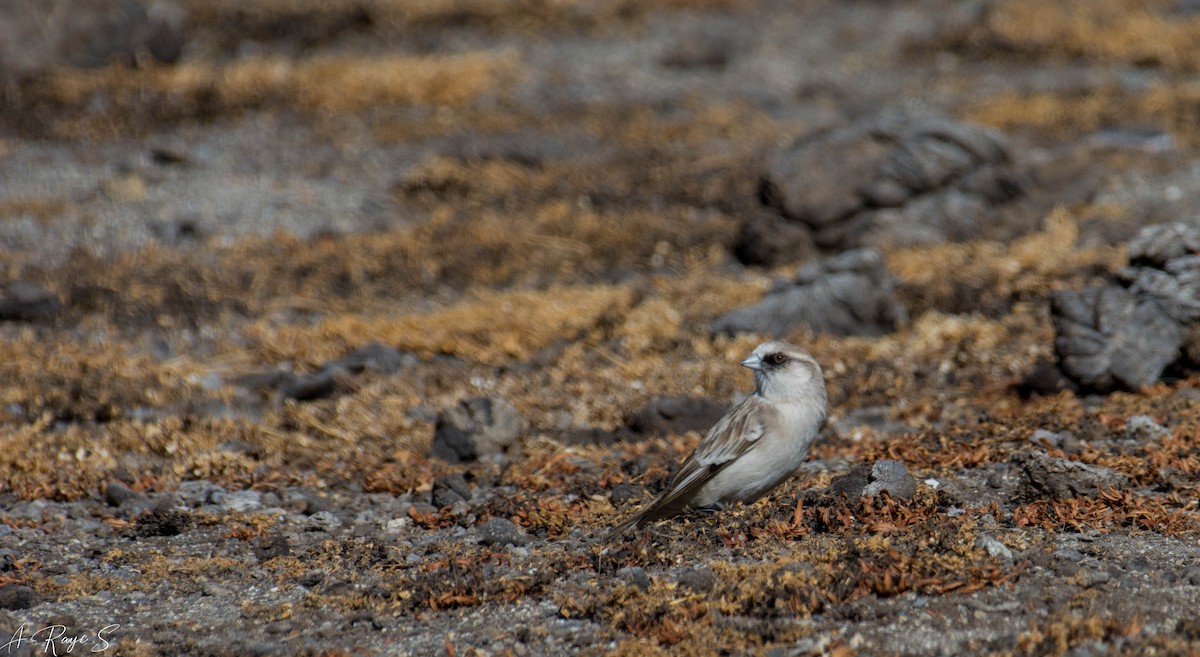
x: 782, y: 392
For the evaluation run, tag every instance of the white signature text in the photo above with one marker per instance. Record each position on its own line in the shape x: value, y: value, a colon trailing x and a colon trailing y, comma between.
x: 55, y: 640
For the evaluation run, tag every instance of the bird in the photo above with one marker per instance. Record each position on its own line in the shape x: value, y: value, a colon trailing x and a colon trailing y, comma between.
x: 753, y: 448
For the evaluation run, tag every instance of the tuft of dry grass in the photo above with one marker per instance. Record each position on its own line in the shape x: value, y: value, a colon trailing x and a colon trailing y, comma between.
x: 1137, y: 33
x: 323, y: 83
x: 1028, y: 267
x: 1111, y: 510
x: 495, y: 327
x: 1169, y: 107
x: 267, y: 16
x: 327, y: 82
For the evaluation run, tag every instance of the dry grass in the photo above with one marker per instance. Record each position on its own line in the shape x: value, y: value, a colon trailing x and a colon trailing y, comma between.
x: 329, y: 83
x: 1138, y: 33
x: 405, y: 269
x: 1168, y: 107
x: 511, y: 15
x: 492, y: 328
x: 1028, y: 267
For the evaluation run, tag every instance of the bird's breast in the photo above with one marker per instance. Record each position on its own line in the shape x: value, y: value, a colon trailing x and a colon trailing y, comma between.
x: 773, y: 459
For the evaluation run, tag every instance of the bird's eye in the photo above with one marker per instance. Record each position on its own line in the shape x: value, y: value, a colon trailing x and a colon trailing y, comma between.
x: 777, y: 359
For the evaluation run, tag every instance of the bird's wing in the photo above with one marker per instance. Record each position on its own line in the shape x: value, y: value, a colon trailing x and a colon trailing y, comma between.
x: 734, y: 435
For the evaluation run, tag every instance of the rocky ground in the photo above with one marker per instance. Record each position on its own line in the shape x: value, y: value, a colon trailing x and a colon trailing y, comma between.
x: 348, y: 327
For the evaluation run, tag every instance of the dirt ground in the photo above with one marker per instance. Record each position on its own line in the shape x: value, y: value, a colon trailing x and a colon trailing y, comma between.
x: 538, y: 200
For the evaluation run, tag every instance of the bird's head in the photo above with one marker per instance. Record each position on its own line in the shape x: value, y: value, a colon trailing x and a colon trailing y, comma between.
x: 785, y: 370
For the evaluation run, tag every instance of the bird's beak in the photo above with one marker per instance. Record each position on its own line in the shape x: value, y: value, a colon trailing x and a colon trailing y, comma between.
x: 753, y: 362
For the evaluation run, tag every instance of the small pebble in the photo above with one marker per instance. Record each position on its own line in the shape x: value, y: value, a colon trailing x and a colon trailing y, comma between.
x: 242, y: 501
x: 397, y: 524
x: 1189, y: 627
x: 700, y: 580
x: 1090, y: 578
x: 501, y: 531
x: 323, y: 521
x: 117, y: 493
x: 993, y: 547
x: 1068, y: 554
x: 16, y: 596
x: 1143, y: 428
x: 1192, y: 576
x: 635, y: 576
x: 198, y: 492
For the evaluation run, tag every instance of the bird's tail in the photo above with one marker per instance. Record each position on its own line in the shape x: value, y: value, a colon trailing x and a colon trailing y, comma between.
x: 615, y: 533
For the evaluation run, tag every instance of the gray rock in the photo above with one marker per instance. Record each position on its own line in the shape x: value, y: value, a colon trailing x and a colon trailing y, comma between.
x: 1107, y: 338
x: 501, y: 531
x: 1045, y: 476
x: 850, y: 294
x: 163, y: 522
x: 332, y: 378
x: 375, y: 357
x: 893, y: 180
x: 271, y: 546
x: 699, y: 579
x: 1064, y: 440
x: 1091, y: 578
x: 767, y: 240
x: 1124, y: 335
x: 87, y: 33
x: 635, y: 576
x: 623, y: 494
x: 424, y: 509
x: 17, y: 596
x: 449, y: 489
x: 199, y: 492
x: 242, y: 501
x: 993, y: 547
x: 309, y: 387
x: 1144, y: 429
x: 477, y: 428
x: 1046, y: 378
x: 676, y: 415
x: 1156, y: 246
x: 30, y: 510
x: 595, y: 436
x: 1175, y: 287
x: 1068, y: 554
x: 323, y: 521
x: 26, y: 302
x: 704, y: 46
x: 871, y: 479
x: 893, y: 477
x: 1050, y: 437
x: 117, y: 494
